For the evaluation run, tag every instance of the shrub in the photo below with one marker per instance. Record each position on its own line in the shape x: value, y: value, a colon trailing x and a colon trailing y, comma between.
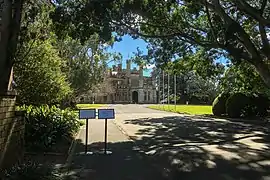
x: 238, y: 105
x: 260, y: 104
x: 47, y: 125
x: 31, y: 171
x: 219, y: 104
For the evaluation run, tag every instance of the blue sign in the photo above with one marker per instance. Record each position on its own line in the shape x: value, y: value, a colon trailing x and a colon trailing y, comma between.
x: 106, y: 114
x: 87, y: 114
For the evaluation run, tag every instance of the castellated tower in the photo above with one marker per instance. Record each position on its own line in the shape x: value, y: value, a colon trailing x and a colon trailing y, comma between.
x: 140, y: 88
x: 141, y: 77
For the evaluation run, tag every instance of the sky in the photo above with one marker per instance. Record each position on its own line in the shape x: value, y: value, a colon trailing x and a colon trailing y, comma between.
x: 127, y: 47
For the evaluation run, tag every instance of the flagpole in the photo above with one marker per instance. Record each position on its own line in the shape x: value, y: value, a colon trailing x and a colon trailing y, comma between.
x: 168, y: 96
x: 159, y: 97
x: 175, y: 92
x: 163, y: 91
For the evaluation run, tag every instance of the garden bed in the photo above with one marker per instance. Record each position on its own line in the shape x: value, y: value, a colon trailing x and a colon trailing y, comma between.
x: 60, y: 148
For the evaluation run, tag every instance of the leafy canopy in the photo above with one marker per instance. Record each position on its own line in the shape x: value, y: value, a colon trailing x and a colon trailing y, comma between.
x: 236, y: 29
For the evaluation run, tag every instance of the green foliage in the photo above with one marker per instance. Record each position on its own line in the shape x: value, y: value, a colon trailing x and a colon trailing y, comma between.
x: 238, y: 105
x: 39, y: 77
x: 38, y: 66
x: 190, y: 87
x: 84, y: 63
x: 221, y: 28
x: 53, y: 70
x: 33, y: 171
x: 47, y: 125
x: 259, y: 104
x: 243, y: 78
x: 219, y: 104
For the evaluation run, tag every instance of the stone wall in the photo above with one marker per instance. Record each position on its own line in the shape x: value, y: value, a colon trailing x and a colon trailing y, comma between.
x: 11, y: 132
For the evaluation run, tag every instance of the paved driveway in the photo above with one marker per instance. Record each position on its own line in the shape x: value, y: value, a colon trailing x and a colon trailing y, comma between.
x: 187, y: 147
x: 127, y: 114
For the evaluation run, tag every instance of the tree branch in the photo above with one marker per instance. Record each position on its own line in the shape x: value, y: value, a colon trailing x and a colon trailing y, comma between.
x: 234, y: 27
x: 264, y: 3
x: 265, y: 41
x: 210, y: 22
x: 27, y: 52
x: 182, y: 36
x: 253, y: 12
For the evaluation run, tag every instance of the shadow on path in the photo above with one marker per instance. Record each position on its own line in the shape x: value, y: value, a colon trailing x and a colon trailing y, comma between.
x: 190, y: 148
x: 183, y: 148
x: 125, y: 163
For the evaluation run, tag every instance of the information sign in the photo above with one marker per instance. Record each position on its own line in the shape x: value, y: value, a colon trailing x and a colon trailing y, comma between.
x: 87, y: 114
x: 106, y: 114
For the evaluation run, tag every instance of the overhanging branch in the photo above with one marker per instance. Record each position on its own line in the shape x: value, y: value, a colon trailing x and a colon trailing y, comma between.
x: 253, y: 12
x: 180, y: 35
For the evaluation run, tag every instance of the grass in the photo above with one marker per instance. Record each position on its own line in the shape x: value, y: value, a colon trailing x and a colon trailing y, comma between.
x: 186, y: 109
x: 87, y: 106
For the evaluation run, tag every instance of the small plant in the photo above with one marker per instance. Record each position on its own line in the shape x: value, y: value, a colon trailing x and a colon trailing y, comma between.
x: 47, y: 125
x: 32, y: 171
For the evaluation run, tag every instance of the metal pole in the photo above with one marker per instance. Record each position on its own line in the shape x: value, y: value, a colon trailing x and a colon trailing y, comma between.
x: 86, y: 136
x: 163, y: 91
x: 105, y: 142
x: 159, y: 88
x: 168, y: 86
x: 175, y: 92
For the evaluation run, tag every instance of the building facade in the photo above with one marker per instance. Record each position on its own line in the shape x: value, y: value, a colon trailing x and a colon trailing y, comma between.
x: 126, y: 86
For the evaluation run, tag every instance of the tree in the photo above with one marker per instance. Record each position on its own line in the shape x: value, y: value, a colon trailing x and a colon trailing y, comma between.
x: 85, y: 63
x: 243, y: 78
x: 39, y: 77
x: 38, y: 66
x: 236, y: 29
x: 190, y: 87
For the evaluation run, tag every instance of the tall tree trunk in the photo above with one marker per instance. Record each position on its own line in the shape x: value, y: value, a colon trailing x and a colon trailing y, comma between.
x: 264, y: 72
x: 10, y: 22
x: 6, y: 15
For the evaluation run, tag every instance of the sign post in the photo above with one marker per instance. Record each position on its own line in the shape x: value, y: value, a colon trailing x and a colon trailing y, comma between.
x: 105, y: 139
x: 87, y: 114
x: 106, y: 114
x: 86, y: 137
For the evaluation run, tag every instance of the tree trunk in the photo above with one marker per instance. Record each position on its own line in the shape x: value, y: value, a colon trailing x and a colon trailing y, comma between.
x: 264, y: 72
x: 6, y: 15
x: 9, y: 31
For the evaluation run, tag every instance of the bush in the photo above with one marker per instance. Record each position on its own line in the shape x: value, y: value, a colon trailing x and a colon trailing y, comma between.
x: 219, y: 104
x: 238, y: 105
x: 47, y: 125
x: 32, y: 171
x: 260, y: 105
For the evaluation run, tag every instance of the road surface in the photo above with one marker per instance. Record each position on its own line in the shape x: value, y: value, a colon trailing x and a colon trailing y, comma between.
x: 151, y: 144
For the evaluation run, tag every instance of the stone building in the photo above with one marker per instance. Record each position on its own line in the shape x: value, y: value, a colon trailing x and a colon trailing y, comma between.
x: 126, y: 86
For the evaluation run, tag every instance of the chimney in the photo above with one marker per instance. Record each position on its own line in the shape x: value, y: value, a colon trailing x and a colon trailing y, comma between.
x: 141, y: 76
x: 120, y: 67
x: 128, y: 67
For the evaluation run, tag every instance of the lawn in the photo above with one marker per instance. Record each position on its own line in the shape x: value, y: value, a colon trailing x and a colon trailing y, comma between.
x: 187, y: 109
x: 87, y: 106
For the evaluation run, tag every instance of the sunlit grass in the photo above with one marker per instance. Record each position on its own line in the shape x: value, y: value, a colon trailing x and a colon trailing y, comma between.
x: 187, y: 109
x: 88, y: 106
